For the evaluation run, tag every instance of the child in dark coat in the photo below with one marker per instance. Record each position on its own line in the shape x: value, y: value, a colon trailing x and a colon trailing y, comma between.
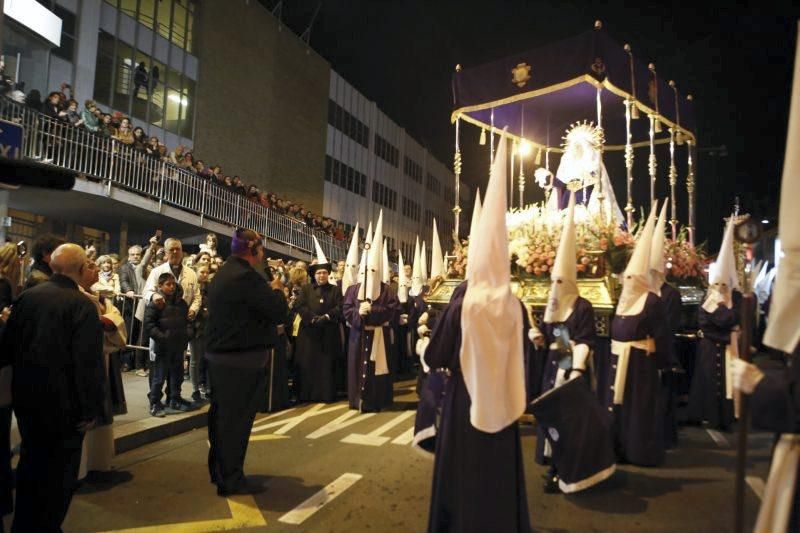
x: 169, y: 328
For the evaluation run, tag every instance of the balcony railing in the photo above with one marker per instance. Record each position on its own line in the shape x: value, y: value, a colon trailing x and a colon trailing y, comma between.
x: 94, y: 156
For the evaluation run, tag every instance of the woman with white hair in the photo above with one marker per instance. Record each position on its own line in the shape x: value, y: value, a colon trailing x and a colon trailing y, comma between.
x: 107, y: 284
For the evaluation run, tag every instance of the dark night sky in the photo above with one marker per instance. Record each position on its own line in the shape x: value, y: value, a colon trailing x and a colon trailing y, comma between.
x: 737, y: 63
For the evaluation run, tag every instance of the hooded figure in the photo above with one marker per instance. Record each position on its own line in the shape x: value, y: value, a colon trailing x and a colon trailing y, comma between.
x: 437, y: 258
x: 711, y: 394
x: 567, y: 340
x: 473, y: 229
x: 351, y: 264
x: 671, y: 302
x: 775, y: 399
x: 478, y: 480
x: 417, y: 281
x: 319, y: 339
x: 424, y: 256
x: 386, y: 270
x: 633, y: 396
x: 370, y: 307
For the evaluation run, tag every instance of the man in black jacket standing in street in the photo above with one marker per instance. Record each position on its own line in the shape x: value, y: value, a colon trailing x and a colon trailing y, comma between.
x: 243, y: 311
x: 54, y: 343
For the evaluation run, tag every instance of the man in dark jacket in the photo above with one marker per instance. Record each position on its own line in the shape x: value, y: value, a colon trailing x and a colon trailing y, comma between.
x: 54, y: 343
x: 243, y: 311
x: 42, y: 248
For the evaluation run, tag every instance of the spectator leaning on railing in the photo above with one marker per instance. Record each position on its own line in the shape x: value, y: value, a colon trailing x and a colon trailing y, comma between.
x: 90, y: 119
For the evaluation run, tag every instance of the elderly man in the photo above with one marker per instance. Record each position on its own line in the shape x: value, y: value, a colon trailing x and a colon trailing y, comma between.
x: 187, y: 279
x: 54, y: 343
x: 243, y: 312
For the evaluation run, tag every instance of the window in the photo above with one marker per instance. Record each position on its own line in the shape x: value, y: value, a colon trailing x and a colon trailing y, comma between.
x: 386, y: 151
x: 343, y: 121
x: 412, y: 169
x: 383, y: 195
x: 433, y: 184
x: 172, y: 19
x: 410, y: 209
x: 345, y: 177
x: 67, y: 48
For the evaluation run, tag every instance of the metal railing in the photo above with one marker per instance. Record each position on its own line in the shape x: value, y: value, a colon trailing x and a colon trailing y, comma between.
x: 95, y: 156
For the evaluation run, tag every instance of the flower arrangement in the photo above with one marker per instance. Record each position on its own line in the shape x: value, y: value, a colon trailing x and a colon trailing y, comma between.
x: 686, y: 264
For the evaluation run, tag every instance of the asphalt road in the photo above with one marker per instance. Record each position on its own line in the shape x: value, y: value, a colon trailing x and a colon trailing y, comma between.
x: 328, y: 469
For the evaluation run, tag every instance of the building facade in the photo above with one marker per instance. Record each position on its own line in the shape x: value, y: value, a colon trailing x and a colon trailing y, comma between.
x: 228, y: 80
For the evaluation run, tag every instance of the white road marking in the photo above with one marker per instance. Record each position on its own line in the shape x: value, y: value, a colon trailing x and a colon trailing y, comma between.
x: 339, y: 423
x: 719, y: 438
x: 316, y: 502
x: 757, y: 484
x: 374, y: 437
x: 289, y: 423
x: 405, y: 438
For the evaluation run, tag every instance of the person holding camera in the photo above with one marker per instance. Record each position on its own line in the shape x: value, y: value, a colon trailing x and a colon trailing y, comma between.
x: 319, y: 343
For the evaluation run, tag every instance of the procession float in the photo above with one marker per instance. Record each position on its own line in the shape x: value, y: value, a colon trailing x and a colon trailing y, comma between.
x: 564, y: 108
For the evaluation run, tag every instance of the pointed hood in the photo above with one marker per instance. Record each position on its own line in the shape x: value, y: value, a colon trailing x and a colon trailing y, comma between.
x: 491, y: 353
x: 473, y: 228
x: 368, y: 236
x: 636, y: 280
x: 403, y: 283
x: 437, y: 258
x: 375, y: 262
x: 386, y: 270
x: 322, y: 261
x: 564, y: 289
x: 722, y: 277
x: 657, y: 266
x: 783, y: 331
x: 424, y: 260
x: 362, y: 267
x: 350, y: 276
x: 417, y: 281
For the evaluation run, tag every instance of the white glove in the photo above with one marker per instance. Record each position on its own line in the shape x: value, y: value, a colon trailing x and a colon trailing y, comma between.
x: 535, y: 336
x: 423, y: 318
x: 365, y: 308
x: 745, y: 376
x: 403, y: 319
x: 580, y: 354
x: 423, y: 330
x: 422, y: 345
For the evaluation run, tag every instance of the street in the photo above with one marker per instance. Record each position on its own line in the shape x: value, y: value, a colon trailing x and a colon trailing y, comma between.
x: 328, y: 468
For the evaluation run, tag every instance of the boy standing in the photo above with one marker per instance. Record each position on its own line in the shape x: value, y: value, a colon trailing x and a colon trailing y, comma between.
x: 168, y: 327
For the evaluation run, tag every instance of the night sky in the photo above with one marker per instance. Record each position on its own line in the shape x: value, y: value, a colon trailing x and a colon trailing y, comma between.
x: 737, y: 63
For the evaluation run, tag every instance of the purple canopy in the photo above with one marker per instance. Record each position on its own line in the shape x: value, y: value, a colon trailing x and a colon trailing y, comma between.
x: 539, y: 93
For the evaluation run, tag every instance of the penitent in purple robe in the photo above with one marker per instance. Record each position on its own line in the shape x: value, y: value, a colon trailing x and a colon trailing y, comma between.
x: 581, y: 327
x: 775, y: 405
x: 707, y: 398
x: 639, y: 421
x: 478, y: 478
x: 671, y: 301
x: 366, y: 391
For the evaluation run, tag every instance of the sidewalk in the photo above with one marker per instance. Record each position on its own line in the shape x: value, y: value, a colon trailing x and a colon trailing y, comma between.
x: 137, y: 427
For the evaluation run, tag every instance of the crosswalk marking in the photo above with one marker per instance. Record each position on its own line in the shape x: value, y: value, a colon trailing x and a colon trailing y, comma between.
x: 757, y: 484
x: 269, y: 436
x: 340, y: 423
x: 374, y: 438
x: 405, y: 438
x: 719, y: 438
x: 290, y: 423
x: 316, y: 502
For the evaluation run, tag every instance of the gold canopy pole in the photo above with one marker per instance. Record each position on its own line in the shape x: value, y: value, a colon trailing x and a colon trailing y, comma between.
x: 690, y: 183
x: 651, y: 163
x: 673, y: 181
x: 522, y: 148
x: 600, y: 196
x: 457, y: 172
x: 629, y: 162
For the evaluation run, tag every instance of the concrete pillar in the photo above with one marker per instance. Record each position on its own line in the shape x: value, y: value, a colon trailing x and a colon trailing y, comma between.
x: 86, y: 49
x: 123, y: 239
x: 3, y: 205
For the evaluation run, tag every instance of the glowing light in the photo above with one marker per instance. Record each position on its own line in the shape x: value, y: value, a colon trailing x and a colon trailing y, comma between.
x: 765, y: 221
x: 524, y: 148
x: 178, y: 99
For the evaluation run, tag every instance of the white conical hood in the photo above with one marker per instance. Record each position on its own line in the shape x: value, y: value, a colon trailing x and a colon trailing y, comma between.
x: 473, y: 229
x: 375, y: 262
x: 362, y: 267
x: 783, y: 331
x: 564, y: 289
x: 386, y: 270
x: 321, y: 259
x: 722, y: 277
x: 417, y: 281
x: 403, y: 282
x: 423, y: 255
x: 437, y: 258
x: 350, y: 276
x: 491, y: 353
x: 636, y: 280
x: 368, y: 236
x: 657, y: 266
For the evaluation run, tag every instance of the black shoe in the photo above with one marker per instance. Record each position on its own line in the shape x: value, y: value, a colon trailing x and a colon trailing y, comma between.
x: 551, y: 485
x: 198, y: 398
x: 244, y: 487
x: 157, y: 410
x: 178, y: 406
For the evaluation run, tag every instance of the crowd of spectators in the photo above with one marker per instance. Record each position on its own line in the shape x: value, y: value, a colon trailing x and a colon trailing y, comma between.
x: 61, y: 106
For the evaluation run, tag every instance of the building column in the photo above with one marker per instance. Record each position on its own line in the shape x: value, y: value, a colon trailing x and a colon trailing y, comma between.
x: 123, y: 239
x: 86, y: 53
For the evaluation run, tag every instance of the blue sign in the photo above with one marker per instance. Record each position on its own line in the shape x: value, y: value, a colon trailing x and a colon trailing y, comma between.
x: 10, y: 140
